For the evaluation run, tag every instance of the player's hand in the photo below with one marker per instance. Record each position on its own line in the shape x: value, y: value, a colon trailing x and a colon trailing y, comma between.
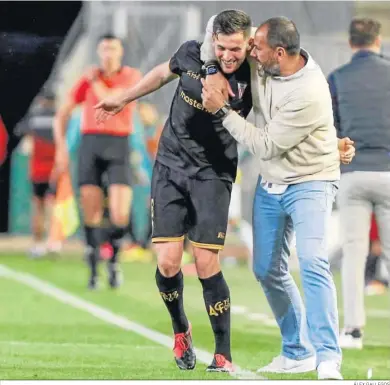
x: 108, y: 107
x: 213, y: 99
x: 61, y: 163
x: 346, y: 149
x: 219, y: 82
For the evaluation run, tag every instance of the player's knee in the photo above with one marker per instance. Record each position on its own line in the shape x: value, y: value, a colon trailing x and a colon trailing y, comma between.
x: 92, y: 207
x: 168, y: 267
x: 119, y: 219
x: 207, y: 262
x: 169, y: 256
x: 92, y: 217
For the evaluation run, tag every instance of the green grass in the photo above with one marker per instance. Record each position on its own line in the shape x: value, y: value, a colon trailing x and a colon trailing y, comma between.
x: 41, y: 338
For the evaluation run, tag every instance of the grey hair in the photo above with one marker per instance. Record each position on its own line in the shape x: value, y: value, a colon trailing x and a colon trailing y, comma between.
x: 282, y: 32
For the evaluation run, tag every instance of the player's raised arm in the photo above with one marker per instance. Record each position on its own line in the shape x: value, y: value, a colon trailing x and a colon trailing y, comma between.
x: 207, y: 51
x: 152, y: 81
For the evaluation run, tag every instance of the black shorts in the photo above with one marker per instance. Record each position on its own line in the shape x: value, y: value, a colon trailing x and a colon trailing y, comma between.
x: 181, y: 205
x: 104, y: 154
x: 40, y: 190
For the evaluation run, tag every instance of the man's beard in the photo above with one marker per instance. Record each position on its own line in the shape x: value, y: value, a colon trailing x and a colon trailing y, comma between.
x: 271, y: 69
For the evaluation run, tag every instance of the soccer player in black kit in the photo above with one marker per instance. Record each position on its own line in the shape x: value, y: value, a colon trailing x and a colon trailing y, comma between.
x: 192, y: 178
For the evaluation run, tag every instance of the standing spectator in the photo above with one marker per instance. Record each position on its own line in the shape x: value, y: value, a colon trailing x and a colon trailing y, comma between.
x: 38, y: 127
x: 360, y: 92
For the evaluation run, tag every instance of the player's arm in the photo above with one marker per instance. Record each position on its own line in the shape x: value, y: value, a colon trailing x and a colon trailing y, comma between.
x: 102, y: 91
x: 152, y: 81
x: 158, y: 77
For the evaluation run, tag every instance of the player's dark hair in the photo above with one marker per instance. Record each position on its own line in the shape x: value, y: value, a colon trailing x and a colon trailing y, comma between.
x: 232, y: 21
x: 282, y: 32
x: 363, y: 32
x: 109, y: 36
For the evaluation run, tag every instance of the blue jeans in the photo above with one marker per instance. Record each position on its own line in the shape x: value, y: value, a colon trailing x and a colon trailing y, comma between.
x: 306, y: 208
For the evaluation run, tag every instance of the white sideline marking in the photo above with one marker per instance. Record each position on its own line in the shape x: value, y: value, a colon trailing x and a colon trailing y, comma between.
x: 106, y: 315
x: 78, y: 345
x: 378, y: 313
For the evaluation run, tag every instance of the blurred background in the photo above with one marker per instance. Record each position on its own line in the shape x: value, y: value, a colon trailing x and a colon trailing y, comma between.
x: 46, y: 46
x: 50, y: 45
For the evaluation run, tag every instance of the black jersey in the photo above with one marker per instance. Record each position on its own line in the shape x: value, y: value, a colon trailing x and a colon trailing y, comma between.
x: 193, y: 141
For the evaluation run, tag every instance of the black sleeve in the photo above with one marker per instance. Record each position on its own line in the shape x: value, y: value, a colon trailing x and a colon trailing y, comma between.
x: 179, y: 61
x: 247, y: 103
x: 335, y: 103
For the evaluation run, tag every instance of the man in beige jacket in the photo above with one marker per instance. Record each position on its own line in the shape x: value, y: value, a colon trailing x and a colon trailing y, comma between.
x: 296, y: 145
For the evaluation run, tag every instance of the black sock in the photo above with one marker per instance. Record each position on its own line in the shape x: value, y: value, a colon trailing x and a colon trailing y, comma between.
x: 171, y: 291
x: 371, y: 268
x: 130, y: 231
x: 216, y: 296
x: 148, y: 237
x: 116, y: 238
x: 92, y: 238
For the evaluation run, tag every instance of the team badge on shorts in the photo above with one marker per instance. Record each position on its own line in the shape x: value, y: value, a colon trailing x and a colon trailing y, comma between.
x: 241, y: 88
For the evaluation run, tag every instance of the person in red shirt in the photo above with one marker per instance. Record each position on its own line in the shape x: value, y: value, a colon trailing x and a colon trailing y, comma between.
x: 41, y: 165
x: 37, y: 128
x: 104, y: 150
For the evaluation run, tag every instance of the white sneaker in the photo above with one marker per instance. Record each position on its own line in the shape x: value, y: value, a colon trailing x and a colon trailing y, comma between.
x: 282, y: 364
x: 329, y: 370
x: 351, y: 339
x: 37, y: 251
x: 54, y: 247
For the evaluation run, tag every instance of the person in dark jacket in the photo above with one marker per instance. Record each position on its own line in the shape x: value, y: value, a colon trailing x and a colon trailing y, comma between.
x: 361, y: 96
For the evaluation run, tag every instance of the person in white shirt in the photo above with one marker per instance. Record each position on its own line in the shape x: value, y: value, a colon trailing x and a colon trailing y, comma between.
x: 295, y: 141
